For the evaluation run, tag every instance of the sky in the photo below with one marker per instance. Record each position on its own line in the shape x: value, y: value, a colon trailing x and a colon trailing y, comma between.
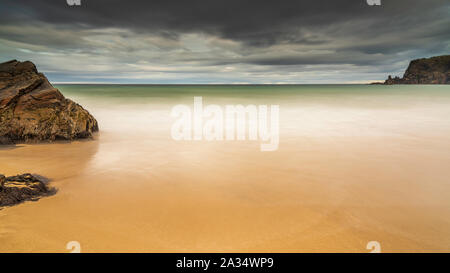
x: 223, y: 41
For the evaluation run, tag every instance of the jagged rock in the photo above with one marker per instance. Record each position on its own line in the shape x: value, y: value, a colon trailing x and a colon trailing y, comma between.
x: 32, y: 110
x: 20, y: 188
x: 435, y: 70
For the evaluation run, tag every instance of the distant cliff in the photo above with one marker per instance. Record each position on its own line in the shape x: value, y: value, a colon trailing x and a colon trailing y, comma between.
x: 435, y: 70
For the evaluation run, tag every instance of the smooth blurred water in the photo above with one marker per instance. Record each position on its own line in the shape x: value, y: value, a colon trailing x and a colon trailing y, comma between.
x: 305, y: 109
x: 272, y: 92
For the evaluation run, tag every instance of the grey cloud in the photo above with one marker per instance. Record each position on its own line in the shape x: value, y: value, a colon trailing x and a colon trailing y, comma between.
x: 104, y: 36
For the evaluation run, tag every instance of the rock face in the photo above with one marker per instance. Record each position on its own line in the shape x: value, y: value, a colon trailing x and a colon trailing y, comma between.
x: 20, y: 188
x: 32, y: 110
x: 435, y: 70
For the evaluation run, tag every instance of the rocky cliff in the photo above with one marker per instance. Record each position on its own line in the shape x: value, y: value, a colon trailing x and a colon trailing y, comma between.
x: 435, y: 70
x: 32, y: 110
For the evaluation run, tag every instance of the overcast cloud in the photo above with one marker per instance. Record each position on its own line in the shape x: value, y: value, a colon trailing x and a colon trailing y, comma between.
x: 223, y: 41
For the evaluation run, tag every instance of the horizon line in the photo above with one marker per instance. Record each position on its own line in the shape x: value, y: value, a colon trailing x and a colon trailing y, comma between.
x: 110, y: 83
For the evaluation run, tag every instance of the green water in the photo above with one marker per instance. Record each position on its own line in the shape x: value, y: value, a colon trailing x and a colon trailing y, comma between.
x: 151, y: 91
x: 287, y: 96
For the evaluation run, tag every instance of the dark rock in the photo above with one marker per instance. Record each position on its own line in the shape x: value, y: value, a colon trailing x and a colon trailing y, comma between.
x: 32, y: 110
x: 20, y: 188
x: 2, y: 181
x: 435, y: 70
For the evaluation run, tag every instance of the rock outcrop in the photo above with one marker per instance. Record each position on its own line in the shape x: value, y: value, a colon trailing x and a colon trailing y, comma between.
x: 32, y: 110
x: 20, y: 188
x: 435, y: 70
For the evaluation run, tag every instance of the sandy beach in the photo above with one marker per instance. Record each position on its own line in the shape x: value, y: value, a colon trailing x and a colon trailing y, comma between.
x: 349, y: 169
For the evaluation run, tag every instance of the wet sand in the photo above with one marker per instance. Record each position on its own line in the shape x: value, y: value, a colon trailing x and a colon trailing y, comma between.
x: 343, y: 176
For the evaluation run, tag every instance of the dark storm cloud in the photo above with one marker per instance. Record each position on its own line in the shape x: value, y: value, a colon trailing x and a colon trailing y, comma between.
x: 257, y: 22
x: 252, y: 32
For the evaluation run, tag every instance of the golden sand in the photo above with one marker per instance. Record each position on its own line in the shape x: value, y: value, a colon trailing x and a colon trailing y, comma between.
x: 330, y: 189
